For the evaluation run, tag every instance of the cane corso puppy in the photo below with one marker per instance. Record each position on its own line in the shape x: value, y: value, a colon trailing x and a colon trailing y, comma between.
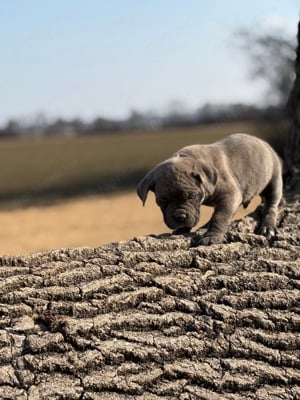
x: 223, y: 175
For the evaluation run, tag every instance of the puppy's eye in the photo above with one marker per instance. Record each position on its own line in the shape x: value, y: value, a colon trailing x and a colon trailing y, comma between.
x: 192, y: 196
x: 163, y: 201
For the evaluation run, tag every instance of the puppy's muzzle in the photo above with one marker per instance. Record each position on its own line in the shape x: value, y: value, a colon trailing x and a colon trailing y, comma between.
x: 180, y: 218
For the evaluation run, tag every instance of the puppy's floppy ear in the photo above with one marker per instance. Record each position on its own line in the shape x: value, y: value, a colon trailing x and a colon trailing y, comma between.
x: 205, y: 176
x: 146, y: 184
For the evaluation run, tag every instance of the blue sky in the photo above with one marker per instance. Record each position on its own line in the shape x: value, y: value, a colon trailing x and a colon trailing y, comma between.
x: 97, y: 57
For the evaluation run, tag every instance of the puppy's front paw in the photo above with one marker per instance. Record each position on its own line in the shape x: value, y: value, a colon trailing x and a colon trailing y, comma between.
x: 267, y: 230
x: 208, y: 239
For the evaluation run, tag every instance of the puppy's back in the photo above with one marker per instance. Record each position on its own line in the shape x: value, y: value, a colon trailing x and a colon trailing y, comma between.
x: 250, y: 152
x: 250, y: 161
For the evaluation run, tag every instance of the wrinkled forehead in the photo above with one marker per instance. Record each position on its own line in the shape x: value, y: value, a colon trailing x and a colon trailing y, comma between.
x: 173, y: 176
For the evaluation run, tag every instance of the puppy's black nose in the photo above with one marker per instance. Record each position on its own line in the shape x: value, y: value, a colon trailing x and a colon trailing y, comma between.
x: 180, y: 218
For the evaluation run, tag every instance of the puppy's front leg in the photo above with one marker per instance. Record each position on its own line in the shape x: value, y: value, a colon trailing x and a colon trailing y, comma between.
x: 221, y: 219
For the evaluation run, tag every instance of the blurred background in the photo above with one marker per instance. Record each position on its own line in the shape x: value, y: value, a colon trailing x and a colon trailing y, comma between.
x: 94, y: 93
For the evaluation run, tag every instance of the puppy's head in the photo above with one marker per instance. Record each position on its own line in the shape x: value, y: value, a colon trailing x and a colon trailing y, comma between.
x: 181, y: 185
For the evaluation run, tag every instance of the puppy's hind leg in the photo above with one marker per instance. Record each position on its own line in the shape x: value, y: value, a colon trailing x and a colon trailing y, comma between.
x: 271, y: 195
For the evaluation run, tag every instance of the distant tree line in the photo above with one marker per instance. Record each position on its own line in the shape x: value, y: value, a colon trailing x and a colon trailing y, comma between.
x: 208, y: 114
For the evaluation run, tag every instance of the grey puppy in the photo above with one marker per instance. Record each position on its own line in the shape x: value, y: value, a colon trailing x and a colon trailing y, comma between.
x: 223, y: 175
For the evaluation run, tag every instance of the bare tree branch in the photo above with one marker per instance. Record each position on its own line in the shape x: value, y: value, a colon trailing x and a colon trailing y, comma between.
x: 271, y: 59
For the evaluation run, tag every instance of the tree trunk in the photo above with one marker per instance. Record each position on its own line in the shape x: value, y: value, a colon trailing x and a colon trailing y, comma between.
x: 292, y: 156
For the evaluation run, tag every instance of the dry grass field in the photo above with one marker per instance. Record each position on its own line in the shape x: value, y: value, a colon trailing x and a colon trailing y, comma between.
x: 84, y: 221
x: 59, y: 166
x: 54, y: 191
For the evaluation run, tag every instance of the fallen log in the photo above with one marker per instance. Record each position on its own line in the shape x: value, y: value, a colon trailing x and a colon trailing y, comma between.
x: 155, y: 318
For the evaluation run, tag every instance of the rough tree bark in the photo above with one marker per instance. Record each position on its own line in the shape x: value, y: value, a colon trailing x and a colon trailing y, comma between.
x: 157, y: 318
